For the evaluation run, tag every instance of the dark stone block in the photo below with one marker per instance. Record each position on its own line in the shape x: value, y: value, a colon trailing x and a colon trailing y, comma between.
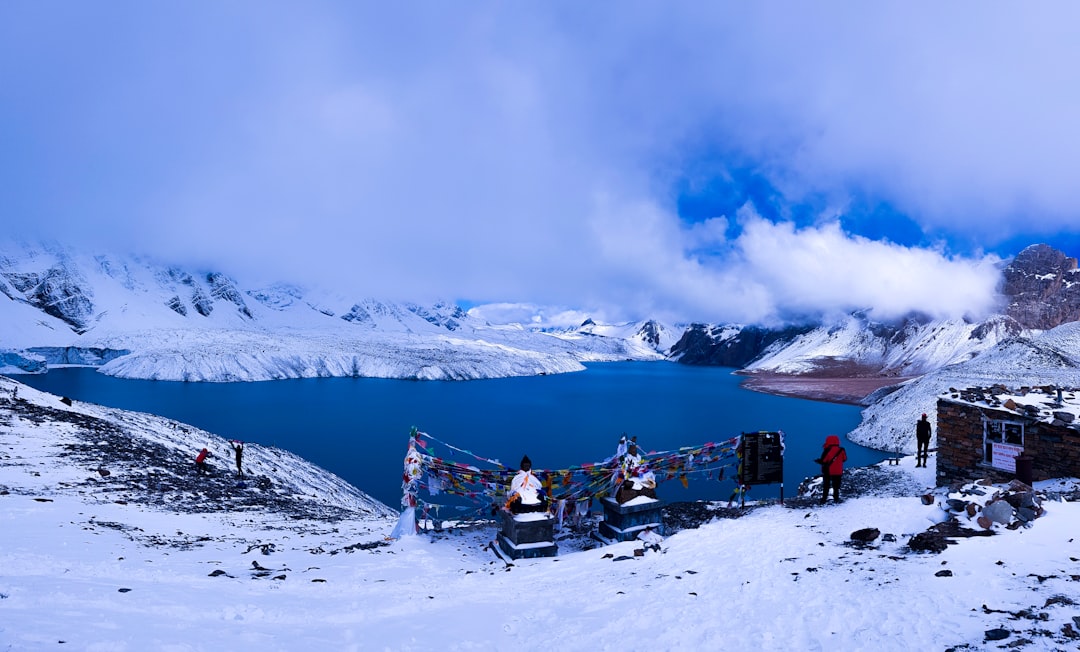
x: 527, y: 550
x: 528, y: 530
x: 625, y: 522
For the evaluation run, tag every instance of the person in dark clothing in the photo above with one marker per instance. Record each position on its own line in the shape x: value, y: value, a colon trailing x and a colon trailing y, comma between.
x: 922, y: 436
x: 200, y: 462
x: 832, y: 461
x: 238, y: 446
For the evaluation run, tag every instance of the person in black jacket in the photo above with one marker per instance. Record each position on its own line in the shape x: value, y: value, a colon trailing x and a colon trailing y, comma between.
x: 238, y: 447
x: 922, y: 437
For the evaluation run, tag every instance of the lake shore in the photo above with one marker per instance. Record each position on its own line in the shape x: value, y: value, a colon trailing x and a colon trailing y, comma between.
x: 846, y: 390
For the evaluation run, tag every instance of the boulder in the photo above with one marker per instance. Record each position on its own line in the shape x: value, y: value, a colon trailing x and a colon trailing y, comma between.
x: 999, y: 511
x: 865, y: 535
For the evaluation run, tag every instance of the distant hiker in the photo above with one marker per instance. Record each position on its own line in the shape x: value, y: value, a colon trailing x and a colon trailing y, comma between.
x: 526, y: 492
x: 832, y: 461
x: 922, y: 435
x: 238, y: 446
x: 200, y: 462
x: 634, y: 477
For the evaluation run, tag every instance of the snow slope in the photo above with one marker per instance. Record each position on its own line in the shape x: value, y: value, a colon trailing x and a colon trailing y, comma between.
x: 93, y: 562
x: 853, y: 344
x: 1048, y: 358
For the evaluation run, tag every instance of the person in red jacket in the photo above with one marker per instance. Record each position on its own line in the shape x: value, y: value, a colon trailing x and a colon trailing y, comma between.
x: 832, y: 461
x: 200, y: 462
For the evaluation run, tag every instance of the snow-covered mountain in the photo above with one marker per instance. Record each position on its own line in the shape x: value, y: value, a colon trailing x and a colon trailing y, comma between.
x: 1050, y: 358
x: 135, y: 318
x: 139, y: 319
x: 1039, y: 291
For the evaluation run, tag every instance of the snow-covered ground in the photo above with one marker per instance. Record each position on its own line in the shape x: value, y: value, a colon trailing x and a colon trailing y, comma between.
x: 151, y: 557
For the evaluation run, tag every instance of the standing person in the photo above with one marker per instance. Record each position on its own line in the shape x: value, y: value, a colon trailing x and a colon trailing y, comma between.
x: 922, y: 435
x: 526, y: 492
x: 200, y: 461
x: 238, y: 446
x: 832, y: 461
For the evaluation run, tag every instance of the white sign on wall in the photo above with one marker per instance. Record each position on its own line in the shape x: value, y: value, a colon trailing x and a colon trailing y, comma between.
x: 1004, y: 456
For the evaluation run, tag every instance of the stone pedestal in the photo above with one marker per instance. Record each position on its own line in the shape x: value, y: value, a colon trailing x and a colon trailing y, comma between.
x: 527, y: 535
x: 625, y: 522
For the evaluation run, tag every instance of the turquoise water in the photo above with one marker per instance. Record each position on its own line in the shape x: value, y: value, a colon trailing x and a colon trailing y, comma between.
x: 358, y: 427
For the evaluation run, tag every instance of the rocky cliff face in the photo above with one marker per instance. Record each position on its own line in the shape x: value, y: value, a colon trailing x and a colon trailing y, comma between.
x: 58, y: 291
x: 1042, y: 286
x: 728, y: 346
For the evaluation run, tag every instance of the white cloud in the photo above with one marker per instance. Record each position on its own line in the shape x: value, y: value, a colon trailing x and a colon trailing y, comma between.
x: 409, y: 152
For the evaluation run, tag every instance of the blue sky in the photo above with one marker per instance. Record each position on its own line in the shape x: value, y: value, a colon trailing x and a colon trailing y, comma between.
x: 730, y: 161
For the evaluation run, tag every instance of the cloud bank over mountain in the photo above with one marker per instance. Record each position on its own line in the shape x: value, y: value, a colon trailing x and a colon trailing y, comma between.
x: 548, y: 154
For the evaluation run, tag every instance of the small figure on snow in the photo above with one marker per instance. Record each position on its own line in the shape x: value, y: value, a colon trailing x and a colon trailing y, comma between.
x: 200, y: 461
x: 526, y: 492
x: 238, y: 447
x: 635, y: 478
x: 922, y: 437
x: 832, y: 461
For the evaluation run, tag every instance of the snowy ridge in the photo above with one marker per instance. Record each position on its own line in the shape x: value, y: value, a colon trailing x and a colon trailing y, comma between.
x: 182, y: 325
x: 912, y: 349
x: 1047, y: 358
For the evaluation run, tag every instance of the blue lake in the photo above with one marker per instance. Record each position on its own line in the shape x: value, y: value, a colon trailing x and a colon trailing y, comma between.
x: 358, y: 427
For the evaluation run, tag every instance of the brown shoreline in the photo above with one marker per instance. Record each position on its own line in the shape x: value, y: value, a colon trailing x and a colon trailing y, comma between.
x: 850, y: 391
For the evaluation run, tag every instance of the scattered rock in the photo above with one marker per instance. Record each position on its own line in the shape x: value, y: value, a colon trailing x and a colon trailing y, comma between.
x: 997, y: 634
x: 865, y: 535
x: 943, y: 573
x: 928, y: 542
x: 927, y: 499
x: 999, y: 511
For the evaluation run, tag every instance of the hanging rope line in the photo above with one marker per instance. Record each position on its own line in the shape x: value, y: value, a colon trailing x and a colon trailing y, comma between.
x: 487, y: 487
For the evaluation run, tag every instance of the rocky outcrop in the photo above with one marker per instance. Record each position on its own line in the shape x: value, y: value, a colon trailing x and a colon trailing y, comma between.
x: 728, y: 346
x: 57, y: 292
x: 1042, y: 286
x: 222, y: 287
x: 441, y: 314
x: 650, y: 333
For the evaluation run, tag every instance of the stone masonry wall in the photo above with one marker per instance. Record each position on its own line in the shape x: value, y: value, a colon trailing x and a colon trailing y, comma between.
x: 1055, y: 449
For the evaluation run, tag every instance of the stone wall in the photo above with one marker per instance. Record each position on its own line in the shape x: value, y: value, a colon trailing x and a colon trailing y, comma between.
x: 1055, y: 449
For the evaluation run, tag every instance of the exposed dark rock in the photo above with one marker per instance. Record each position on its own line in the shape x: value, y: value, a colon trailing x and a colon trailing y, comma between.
x: 997, y: 634
x: 728, y: 346
x: 222, y: 287
x: 176, y: 304
x: 57, y: 292
x: 204, y: 305
x: 865, y: 535
x: 1042, y: 289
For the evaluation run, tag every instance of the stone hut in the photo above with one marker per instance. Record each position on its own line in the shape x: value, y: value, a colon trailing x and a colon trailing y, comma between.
x: 999, y: 433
